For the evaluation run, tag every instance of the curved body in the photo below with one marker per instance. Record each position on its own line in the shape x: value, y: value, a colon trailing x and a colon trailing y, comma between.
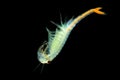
x: 56, y: 39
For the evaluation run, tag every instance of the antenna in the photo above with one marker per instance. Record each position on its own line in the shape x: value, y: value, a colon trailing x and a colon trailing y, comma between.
x: 37, y: 66
x: 42, y: 68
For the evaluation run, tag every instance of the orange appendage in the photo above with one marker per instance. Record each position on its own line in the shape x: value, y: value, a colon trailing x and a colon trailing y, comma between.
x: 97, y: 10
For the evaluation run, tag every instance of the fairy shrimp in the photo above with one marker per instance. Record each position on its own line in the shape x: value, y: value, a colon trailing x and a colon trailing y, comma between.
x: 56, y: 39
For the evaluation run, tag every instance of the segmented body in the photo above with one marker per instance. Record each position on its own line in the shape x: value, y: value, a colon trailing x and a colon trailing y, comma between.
x: 57, y: 43
x: 56, y: 39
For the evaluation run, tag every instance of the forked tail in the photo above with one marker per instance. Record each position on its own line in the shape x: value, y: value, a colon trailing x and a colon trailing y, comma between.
x: 97, y: 10
x: 80, y: 17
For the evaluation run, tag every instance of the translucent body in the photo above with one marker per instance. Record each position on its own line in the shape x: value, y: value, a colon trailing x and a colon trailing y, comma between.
x: 56, y: 40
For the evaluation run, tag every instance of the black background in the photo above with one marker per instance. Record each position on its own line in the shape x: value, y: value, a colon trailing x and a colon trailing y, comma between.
x: 86, y: 54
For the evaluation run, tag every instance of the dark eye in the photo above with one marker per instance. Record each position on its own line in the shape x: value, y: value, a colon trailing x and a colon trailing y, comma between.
x: 48, y: 62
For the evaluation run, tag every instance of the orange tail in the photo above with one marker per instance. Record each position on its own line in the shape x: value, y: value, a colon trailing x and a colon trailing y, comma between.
x: 97, y: 10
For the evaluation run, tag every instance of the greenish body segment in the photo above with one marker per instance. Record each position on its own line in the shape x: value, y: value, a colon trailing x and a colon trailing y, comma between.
x: 56, y: 40
x: 58, y: 43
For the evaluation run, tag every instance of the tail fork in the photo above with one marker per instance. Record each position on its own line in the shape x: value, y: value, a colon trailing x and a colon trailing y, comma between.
x: 97, y: 10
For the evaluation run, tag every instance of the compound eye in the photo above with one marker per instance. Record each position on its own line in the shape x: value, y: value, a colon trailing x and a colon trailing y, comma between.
x: 48, y: 62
